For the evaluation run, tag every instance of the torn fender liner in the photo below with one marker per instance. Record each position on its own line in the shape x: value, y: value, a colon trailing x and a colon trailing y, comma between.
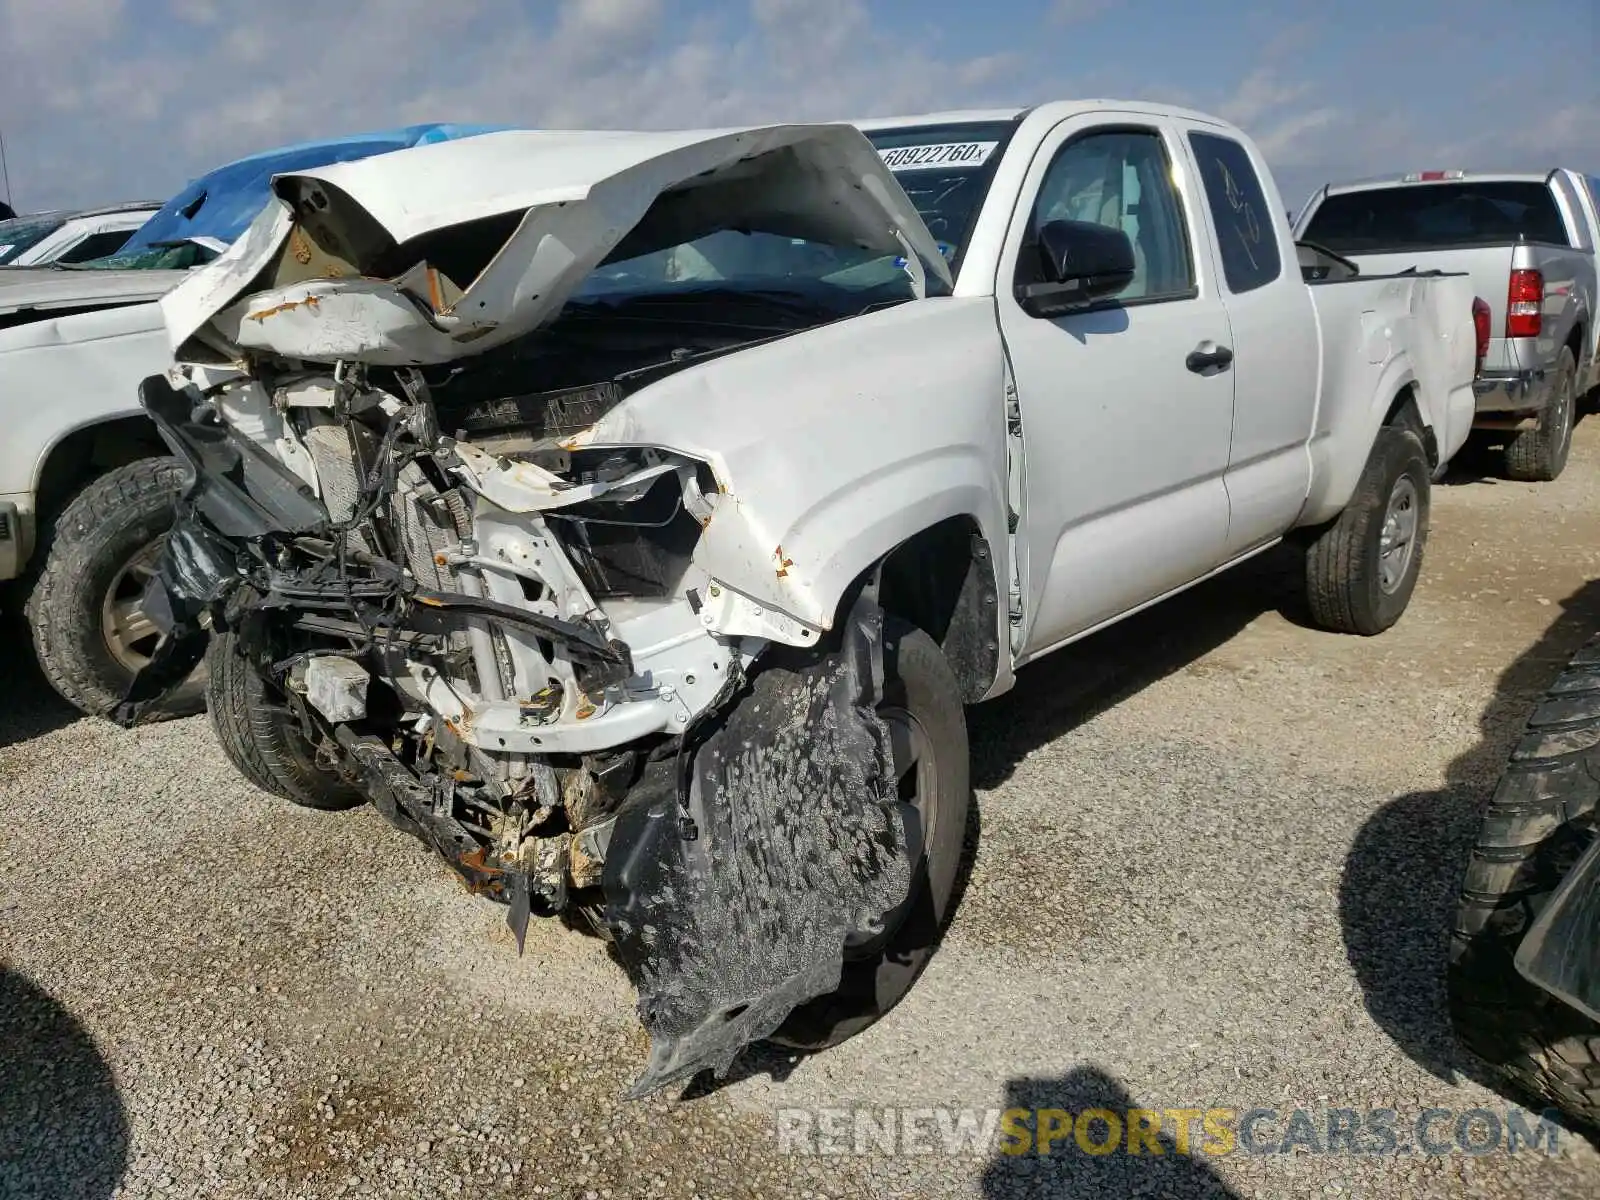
x: 196, y: 570
x: 731, y: 914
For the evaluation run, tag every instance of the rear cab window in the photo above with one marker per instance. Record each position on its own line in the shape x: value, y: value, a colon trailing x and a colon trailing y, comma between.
x: 1437, y: 216
x: 97, y: 245
x: 946, y: 170
x: 1246, y: 237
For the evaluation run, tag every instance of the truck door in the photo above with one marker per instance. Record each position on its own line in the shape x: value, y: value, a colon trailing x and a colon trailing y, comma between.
x: 1127, y: 406
x: 1275, y: 341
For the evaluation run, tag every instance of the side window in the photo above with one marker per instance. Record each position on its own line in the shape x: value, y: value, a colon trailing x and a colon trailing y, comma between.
x: 1121, y: 179
x: 1239, y: 209
x: 97, y: 245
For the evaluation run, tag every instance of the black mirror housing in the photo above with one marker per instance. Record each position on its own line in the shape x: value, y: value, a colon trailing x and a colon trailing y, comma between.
x: 1079, y: 263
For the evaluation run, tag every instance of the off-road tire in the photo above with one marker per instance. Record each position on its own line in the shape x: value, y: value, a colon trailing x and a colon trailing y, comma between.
x: 104, y: 527
x: 918, y: 678
x: 1542, y: 818
x: 1539, y: 455
x: 262, y: 737
x: 1343, y: 583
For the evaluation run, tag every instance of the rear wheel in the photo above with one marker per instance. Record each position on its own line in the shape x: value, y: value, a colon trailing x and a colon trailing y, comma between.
x: 1362, y: 569
x: 1542, y: 819
x: 262, y: 737
x: 86, y: 610
x: 1539, y: 455
x: 928, y: 733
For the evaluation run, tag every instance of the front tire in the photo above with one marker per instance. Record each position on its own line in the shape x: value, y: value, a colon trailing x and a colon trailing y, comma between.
x: 262, y: 737
x: 922, y: 706
x: 1540, y: 822
x: 1539, y: 455
x: 1362, y: 569
x: 89, y: 628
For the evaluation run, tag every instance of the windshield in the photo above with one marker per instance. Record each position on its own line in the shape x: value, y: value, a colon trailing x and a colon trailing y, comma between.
x: 22, y: 234
x: 757, y: 264
x: 946, y: 170
x: 1436, y: 216
x: 165, y: 256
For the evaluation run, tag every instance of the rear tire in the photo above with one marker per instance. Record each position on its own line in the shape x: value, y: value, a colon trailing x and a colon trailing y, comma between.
x: 1541, y: 820
x: 1356, y: 578
x: 918, y: 681
x: 1539, y: 455
x: 262, y: 737
x: 89, y: 632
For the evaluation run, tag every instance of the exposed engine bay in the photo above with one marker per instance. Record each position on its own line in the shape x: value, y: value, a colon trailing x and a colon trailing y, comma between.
x: 503, y: 640
x: 424, y: 529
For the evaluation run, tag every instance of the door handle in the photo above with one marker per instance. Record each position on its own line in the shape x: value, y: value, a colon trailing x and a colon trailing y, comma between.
x: 1208, y: 358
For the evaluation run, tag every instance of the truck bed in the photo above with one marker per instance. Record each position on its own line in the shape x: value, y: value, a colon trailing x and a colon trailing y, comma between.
x: 1377, y: 333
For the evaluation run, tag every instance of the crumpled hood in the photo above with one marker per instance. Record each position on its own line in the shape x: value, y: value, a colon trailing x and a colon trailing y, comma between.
x: 431, y: 254
x: 49, y: 288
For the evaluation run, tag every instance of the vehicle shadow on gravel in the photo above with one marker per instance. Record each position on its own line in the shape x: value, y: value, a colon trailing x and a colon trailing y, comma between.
x: 29, y: 706
x: 1074, y: 685
x: 1397, y: 896
x: 63, y: 1130
x: 1069, y: 1171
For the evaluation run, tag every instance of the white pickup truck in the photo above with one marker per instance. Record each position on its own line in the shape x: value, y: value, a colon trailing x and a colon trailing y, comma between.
x: 629, y: 516
x: 1531, y: 245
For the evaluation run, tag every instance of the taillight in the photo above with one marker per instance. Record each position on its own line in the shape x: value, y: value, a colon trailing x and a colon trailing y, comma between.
x: 1525, y: 304
x: 1480, y: 326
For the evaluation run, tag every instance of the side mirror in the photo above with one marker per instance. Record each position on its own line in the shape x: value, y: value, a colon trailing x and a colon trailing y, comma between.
x: 1079, y: 263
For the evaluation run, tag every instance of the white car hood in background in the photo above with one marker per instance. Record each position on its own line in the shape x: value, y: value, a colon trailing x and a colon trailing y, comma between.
x: 49, y: 288
x: 580, y: 194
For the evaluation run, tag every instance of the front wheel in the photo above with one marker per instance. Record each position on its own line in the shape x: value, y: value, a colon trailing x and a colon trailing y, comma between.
x: 86, y: 612
x: 1362, y: 569
x: 928, y: 733
x: 262, y: 737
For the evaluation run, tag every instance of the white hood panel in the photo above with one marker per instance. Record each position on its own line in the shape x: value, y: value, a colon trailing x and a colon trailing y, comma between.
x: 579, y: 196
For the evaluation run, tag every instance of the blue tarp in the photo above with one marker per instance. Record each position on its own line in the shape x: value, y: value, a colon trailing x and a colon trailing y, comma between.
x: 222, y: 203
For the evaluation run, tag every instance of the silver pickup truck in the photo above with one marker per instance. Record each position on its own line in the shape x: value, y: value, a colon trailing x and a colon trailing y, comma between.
x: 1531, y: 243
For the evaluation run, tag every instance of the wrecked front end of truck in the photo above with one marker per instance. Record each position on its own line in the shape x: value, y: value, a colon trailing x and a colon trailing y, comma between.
x: 461, y: 590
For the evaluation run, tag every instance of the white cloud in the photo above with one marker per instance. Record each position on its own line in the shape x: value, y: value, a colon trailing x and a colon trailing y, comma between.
x: 1073, y: 12
x: 35, y: 25
x: 196, y: 12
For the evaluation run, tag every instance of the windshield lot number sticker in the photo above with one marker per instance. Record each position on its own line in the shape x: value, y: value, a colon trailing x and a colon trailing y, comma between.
x: 946, y: 154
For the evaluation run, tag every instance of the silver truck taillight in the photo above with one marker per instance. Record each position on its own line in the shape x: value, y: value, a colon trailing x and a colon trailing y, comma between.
x: 1525, y: 304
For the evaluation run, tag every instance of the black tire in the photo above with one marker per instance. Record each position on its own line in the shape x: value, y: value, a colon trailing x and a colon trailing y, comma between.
x: 917, y: 680
x: 110, y: 524
x: 1539, y: 455
x: 1345, y: 587
x: 262, y: 737
x: 1542, y: 818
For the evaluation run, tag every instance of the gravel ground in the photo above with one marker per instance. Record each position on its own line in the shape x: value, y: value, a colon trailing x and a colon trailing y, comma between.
x: 1215, y: 864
